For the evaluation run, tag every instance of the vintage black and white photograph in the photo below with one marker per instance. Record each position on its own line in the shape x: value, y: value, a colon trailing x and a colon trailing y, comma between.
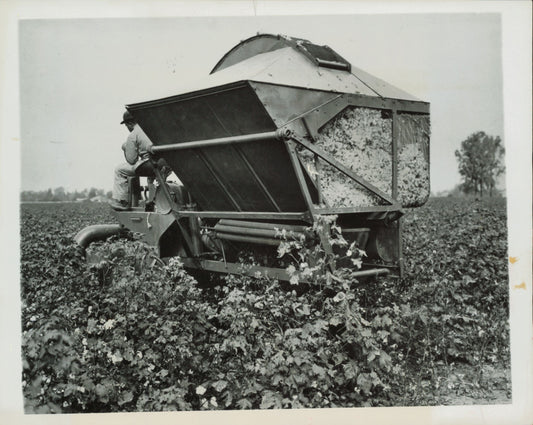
x: 263, y: 212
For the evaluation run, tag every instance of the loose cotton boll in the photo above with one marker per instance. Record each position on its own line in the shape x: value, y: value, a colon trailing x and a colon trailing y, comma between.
x: 360, y: 139
x: 340, y: 192
x: 413, y: 161
x: 413, y: 176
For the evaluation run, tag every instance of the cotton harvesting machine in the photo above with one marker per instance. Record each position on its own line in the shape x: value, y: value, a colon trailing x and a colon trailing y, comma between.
x: 281, y: 133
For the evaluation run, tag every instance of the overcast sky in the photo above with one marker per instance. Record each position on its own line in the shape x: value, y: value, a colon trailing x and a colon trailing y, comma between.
x: 76, y: 76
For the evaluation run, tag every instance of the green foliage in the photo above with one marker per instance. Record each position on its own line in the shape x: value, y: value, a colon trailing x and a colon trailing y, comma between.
x: 480, y: 162
x: 130, y: 333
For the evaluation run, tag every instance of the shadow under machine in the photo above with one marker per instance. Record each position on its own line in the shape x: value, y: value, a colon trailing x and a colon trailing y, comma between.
x: 280, y: 133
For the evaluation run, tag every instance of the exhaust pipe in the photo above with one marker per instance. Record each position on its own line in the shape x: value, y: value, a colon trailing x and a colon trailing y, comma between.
x: 96, y: 232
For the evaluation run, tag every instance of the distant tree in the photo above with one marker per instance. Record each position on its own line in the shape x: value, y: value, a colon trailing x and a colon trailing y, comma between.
x: 480, y: 162
x: 77, y: 195
x: 92, y: 192
x: 48, y: 196
x: 60, y: 194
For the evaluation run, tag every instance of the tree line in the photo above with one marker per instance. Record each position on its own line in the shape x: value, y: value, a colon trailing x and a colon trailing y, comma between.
x: 59, y: 194
x: 480, y: 163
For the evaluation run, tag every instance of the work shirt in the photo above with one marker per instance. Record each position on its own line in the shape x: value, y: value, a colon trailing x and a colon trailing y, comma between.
x: 139, y: 141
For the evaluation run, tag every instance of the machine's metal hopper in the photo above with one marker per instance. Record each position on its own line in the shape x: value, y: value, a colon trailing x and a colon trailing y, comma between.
x: 280, y: 132
x: 264, y: 84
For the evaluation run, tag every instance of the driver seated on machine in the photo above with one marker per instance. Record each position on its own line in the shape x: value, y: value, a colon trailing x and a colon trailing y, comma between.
x: 135, y: 150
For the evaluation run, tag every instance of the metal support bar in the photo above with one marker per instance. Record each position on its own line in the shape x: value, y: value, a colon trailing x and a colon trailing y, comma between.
x: 185, y: 234
x: 248, y: 239
x: 256, y: 137
x: 195, y: 235
x: 299, y: 175
x: 325, y: 232
x: 321, y: 199
x: 395, y: 149
x: 261, y: 225
x: 317, y: 164
x: 395, y: 132
x: 319, y: 115
x: 367, y: 264
x: 348, y: 210
x: 268, y: 233
x: 400, y: 248
x: 314, y: 110
x: 238, y: 269
x: 308, y: 174
x: 253, y: 271
x: 289, y: 216
x: 324, y: 235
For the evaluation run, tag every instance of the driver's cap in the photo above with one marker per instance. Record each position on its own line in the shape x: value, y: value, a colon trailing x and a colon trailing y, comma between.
x: 127, y: 117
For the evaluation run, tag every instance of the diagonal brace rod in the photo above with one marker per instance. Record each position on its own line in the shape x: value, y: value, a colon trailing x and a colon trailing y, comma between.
x: 328, y: 158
